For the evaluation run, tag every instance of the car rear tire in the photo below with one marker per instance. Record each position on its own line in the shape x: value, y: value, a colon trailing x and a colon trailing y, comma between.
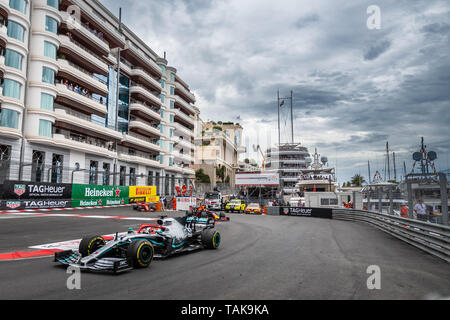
x: 89, y: 245
x: 140, y: 254
x: 211, y: 238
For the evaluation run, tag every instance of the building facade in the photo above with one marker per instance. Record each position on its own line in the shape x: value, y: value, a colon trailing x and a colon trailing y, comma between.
x: 218, y: 147
x: 71, y: 112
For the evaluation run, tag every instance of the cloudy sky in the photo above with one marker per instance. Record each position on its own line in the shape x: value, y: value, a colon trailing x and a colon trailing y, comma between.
x: 354, y: 88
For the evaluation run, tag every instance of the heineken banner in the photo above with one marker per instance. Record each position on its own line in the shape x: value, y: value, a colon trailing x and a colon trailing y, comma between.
x: 85, y: 195
x: 34, y: 195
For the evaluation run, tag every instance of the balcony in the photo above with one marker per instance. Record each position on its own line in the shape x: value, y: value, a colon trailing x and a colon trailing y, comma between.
x: 185, y: 93
x: 3, y: 36
x: 183, y: 116
x: 184, y: 105
x: 139, y: 158
x: 114, y: 38
x: 144, y: 111
x: 185, y: 144
x: 82, y: 56
x: 184, y: 157
x: 138, y: 142
x: 144, y: 128
x: 76, y: 74
x: 2, y: 66
x: 77, y: 101
x: 71, y: 143
x: 183, y: 130
x: 87, y: 36
x: 138, y: 58
x: 142, y: 93
x: 74, y: 119
x: 139, y: 75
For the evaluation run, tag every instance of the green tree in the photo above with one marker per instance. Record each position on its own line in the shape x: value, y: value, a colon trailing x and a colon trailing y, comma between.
x: 358, y: 180
x: 220, y: 173
x: 202, y: 177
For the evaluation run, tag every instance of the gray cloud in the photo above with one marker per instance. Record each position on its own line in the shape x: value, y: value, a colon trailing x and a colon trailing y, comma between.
x: 377, y: 49
x: 354, y: 88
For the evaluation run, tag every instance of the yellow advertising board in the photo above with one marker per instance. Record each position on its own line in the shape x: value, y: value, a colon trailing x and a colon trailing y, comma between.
x: 140, y: 192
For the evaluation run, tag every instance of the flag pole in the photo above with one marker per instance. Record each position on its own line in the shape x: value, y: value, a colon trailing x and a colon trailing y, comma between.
x: 278, y: 107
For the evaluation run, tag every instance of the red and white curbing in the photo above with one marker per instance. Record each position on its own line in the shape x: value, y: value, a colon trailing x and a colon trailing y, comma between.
x: 62, y: 209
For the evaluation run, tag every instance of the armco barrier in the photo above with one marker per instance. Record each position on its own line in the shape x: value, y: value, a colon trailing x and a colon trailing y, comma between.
x: 432, y: 238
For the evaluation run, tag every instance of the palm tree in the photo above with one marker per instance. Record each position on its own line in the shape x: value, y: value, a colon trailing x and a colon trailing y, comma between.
x: 358, y: 180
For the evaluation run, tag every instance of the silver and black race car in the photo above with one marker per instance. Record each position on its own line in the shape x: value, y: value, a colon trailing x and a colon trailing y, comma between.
x: 136, y: 249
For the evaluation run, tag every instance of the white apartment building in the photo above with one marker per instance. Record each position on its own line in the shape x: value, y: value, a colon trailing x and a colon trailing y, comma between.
x: 59, y: 120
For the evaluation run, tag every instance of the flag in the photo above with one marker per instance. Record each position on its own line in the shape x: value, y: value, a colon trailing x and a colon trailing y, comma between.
x: 282, y: 103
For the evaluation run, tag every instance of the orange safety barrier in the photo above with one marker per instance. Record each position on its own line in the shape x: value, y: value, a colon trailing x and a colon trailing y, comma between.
x: 158, y: 206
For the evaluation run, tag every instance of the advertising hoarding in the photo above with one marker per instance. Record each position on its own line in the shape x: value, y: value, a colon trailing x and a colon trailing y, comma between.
x: 258, y: 179
x: 21, y: 195
x: 85, y: 195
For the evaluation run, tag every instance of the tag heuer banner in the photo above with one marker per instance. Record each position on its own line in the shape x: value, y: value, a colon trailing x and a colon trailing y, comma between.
x: 35, y: 195
x: 85, y: 195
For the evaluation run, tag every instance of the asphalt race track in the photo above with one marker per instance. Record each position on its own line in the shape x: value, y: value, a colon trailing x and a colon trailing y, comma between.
x: 260, y: 257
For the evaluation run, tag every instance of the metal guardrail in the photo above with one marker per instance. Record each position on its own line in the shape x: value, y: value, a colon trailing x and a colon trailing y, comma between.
x: 432, y: 238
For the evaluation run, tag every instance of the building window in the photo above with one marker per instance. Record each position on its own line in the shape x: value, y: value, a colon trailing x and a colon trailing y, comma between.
x: 50, y: 50
x: 161, y: 128
x: 48, y: 75
x: 132, y: 176
x: 51, y: 25
x: 45, y: 128
x: 150, y: 178
x: 93, y: 172
x: 47, y: 101
x: 53, y: 3
x: 172, y: 77
x: 19, y: 5
x: 170, y: 147
x: 172, y: 118
x: 171, y: 133
x: 163, y: 83
x: 12, y: 88
x: 123, y: 171
x: 163, y: 68
x: 5, y: 162
x: 57, y: 168
x: 37, y: 166
x: 161, y: 113
x: 13, y: 59
x: 170, y: 162
x: 172, y: 90
x: 172, y: 104
x: 106, y: 172
x: 9, y: 119
x: 16, y: 31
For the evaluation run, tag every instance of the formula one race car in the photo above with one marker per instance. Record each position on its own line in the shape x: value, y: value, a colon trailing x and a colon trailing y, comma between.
x: 136, y: 249
x: 203, y: 212
x: 145, y: 206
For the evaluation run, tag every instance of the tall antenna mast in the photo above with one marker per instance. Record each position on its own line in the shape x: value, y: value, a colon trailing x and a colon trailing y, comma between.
x: 388, y: 162
x: 292, y: 115
x: 279, y: 130
x: 395, y: 167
